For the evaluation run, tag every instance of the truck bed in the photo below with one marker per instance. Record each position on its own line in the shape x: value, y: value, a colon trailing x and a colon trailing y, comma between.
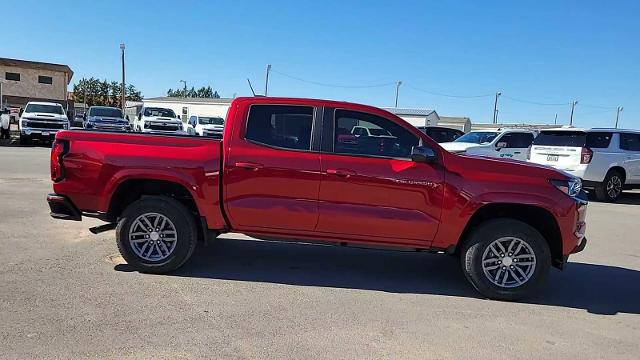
x: 99, y: 163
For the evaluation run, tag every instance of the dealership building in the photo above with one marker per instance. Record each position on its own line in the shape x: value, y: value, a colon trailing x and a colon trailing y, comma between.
x: 23, y: 81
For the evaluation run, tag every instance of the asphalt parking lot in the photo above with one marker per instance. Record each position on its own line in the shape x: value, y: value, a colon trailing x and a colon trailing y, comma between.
x: 65, y: 293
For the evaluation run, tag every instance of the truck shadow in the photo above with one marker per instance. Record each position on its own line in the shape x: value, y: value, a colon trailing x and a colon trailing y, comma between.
x: 599, y: 289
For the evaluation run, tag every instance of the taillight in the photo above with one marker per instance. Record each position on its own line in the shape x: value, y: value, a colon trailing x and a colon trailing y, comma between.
x: 586, y: 155
x: 58, y: 150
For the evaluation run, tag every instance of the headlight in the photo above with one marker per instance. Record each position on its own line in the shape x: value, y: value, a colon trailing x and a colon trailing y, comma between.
x: 146, y: 124
x: 571, y: 187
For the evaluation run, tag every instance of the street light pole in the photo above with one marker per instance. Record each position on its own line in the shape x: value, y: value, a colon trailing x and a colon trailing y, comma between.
x: 124, y: 96
x: 266, y: 80
x: 495, y: 108
x: 184, y: 93
x: 573, y: 106
x: 398, y: 83
x: 555, y: 121
x: 620, y: 108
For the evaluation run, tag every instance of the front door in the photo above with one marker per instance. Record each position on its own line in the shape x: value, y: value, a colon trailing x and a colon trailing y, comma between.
x: 272, y: 176
x: 370, y: 188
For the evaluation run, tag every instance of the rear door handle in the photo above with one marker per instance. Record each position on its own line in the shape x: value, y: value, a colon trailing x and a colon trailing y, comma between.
x: 248, y: 165
x: 341, y: 172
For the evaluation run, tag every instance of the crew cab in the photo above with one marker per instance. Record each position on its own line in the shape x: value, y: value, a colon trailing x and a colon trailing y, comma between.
x: 158, y: 121
x: 211, y: 126
x: 288, y: 169
x: 501, y: 143
x: 607, y: 160
x: 105, y: 118
x: 41, y: 121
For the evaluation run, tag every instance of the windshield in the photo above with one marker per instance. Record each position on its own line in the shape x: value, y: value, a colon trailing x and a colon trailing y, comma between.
x: 106, y: 112
x: 159, y: 112
x: 41, y: 108
x: 561, y: 138
x: 211, y: 121
x: 478, y: 137
x: 379, y: 132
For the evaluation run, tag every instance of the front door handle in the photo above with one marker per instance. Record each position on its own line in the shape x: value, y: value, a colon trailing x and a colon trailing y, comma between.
x: 248, y: 165
x: 341, y: 172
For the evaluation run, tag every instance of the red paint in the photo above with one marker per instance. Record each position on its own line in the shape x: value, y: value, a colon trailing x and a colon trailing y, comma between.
x: 313, y: 195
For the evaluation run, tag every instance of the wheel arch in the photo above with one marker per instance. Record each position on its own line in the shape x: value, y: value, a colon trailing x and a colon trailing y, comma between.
x: 537, y: 217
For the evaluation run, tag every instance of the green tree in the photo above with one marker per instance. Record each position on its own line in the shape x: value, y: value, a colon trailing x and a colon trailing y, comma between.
x: 203, y: 92
x: 95, y: 92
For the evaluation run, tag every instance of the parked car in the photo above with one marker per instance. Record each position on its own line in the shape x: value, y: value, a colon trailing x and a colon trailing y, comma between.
x: 105, y: 118
x: 441, y: 134
x: 40, y: 121
x: 211, y: 126
x: 282, y: 174
x: 78, y: 120
x: 607, y: 160
x: 372, y: 132
x: 158, y: 121
x: 501, y: 143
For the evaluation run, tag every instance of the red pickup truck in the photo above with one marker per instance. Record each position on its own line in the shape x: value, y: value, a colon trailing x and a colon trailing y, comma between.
x: 293, y: 169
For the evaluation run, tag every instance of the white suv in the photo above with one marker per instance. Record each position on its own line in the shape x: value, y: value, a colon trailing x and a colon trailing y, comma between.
x: 501, y: 143
x: 41, y: 121
x: 607, y: 160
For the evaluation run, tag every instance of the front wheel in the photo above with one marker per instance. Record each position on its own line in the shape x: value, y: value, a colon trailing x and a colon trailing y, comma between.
x: 156, y: 234
x: 506, y: 259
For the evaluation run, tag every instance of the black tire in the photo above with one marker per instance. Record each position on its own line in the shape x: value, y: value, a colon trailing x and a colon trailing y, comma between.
x: 180, y: 217
x: 613, y: 177
x: 482, y: 237
x: 25, y: 140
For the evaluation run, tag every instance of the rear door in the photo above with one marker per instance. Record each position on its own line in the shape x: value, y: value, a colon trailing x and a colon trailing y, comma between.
x: 272, y: 174
x: 630, y: 145
x: 558, y: 148
x: 371, y: 189
x: 515, y: 145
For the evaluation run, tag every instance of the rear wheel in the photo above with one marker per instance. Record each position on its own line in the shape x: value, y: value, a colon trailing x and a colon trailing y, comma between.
x: 156, y: 234
x: 506, y: 259
x: 611, y: 188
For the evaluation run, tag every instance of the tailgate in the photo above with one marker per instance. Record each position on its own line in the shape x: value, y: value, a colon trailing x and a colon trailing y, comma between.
x: 556, y: 156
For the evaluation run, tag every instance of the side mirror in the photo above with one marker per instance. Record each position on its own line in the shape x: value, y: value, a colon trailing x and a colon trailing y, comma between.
x: 423, y: 154
x: 501, y: 145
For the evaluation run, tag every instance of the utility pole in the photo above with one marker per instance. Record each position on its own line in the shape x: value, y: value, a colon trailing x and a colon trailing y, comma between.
x: 555, y: 121
x: 184, y: 93
x: 1, y: 107
x: 495, y: 108
x: 573, y: 106
x: 124, y: 89
x: 398, y: 83
x: 620, y: 108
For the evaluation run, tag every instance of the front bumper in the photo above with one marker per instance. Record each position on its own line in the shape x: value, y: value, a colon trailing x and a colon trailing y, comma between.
x: 62, y: 208
x: 38, y: 133
x: 109, y: 127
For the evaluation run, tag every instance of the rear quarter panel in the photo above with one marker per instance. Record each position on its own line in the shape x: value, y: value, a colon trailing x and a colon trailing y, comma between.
x: 97, y: 163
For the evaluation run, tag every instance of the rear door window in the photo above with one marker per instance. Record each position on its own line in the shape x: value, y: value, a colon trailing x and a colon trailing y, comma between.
x: 561, y: 138
x: 281, y: 126
x: 517, y: 140
x: 630, y: 142
x: 599, y: 140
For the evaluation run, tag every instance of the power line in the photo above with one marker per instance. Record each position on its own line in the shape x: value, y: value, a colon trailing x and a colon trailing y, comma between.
x: 332, y: 85
x: 599, y: 107
x: 448, y: 95
x: 535, y: 102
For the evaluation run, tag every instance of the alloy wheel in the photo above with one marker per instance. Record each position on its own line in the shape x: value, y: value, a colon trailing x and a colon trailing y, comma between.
x: 152, y: 237
x: 508, y: 262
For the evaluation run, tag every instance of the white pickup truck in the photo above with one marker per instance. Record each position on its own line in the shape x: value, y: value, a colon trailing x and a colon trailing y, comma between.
x: 607, y: 160
x: 157, y: 120
x: 211, y: 126
x: 41, y: 121
x: 501, y: 143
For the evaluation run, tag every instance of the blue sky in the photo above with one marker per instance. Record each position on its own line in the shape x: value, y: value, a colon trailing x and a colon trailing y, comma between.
x: 548, y: 52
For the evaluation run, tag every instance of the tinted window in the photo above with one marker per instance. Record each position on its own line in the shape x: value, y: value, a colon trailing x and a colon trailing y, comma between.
x: 517, y: 140
x: 159, y: 112
x: 441, y: 135
x: 478, y: 137
x: 41, y: 108
x: 281, y: 126
x: 599, y: 140
x: 211, y: 120
x: 106, y: 112
x: 561, y: 138
x: 45, y: 80
x: 393, y: 141
x: 12, y: 76
x: 630, y: 142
